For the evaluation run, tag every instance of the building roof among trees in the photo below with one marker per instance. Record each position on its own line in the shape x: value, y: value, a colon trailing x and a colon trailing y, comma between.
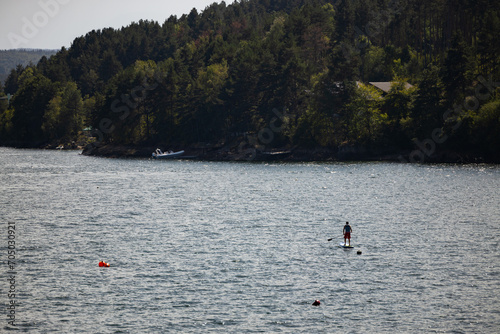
x: 386, y: 86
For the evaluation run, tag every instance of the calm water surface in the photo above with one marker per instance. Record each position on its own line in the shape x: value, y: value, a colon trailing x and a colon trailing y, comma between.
x: 202, y: 247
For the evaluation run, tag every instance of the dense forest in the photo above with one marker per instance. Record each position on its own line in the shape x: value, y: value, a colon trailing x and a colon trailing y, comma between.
x: 264, y: 75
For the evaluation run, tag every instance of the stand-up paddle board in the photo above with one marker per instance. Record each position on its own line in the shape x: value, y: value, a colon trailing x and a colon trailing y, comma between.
x: 345, y: 246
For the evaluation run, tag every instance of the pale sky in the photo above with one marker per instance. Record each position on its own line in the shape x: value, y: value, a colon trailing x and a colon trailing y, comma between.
x: 52, y: 24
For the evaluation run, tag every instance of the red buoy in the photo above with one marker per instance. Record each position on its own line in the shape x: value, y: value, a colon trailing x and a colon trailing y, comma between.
x: 103, y: 264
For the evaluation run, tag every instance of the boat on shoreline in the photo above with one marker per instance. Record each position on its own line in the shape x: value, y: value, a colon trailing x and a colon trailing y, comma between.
x: 273, y: 156
x: 158, y: 154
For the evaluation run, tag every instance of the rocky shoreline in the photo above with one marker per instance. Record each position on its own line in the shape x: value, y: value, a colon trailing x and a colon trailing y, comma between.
x: 228, y: 153
x: 210, y: 152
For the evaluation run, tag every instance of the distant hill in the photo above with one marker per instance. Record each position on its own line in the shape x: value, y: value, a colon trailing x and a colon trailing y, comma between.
x: 9, y: 59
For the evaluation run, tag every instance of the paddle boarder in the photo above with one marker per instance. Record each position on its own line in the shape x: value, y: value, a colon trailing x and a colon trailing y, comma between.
x: 347, y: 233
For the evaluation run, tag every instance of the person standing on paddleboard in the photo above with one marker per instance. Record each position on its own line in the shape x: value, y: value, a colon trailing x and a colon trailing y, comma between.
x: 347, y: 233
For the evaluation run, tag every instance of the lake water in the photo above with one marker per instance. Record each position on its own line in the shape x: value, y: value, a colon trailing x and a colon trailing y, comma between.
x: 198, y: 247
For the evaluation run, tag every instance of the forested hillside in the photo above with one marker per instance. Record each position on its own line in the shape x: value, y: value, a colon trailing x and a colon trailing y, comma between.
x: 9, y: 59
x: 260, y: 75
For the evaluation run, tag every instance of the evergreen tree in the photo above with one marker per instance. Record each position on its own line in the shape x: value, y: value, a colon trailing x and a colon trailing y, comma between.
x: 457, y: 69
x: 427, y: 112
x: 30, y: 103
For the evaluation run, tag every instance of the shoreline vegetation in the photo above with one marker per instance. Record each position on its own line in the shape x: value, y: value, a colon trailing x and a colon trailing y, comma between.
x: 295, y: 80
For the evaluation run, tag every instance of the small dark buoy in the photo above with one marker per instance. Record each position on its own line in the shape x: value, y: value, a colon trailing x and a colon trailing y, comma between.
x: 359, y: 252
x: 316, y: 303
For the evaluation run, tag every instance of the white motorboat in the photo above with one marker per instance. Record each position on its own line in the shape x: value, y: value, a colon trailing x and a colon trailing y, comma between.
x: 158, y: 154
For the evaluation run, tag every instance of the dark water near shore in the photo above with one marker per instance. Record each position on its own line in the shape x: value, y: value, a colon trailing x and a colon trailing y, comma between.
x: 242, y: 248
